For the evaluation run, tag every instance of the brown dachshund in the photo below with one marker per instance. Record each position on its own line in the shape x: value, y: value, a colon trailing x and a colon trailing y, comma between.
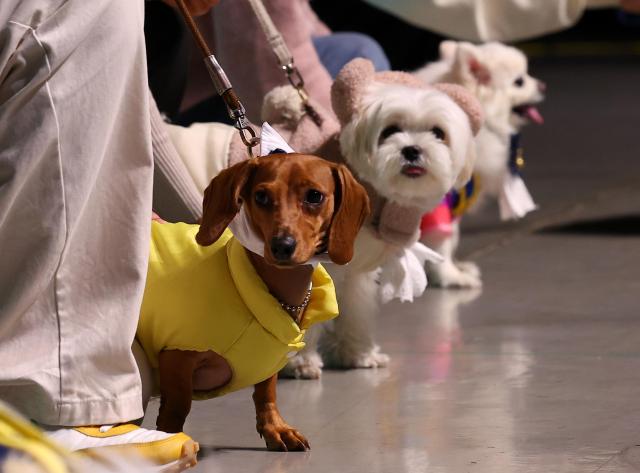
x: 300, y: 205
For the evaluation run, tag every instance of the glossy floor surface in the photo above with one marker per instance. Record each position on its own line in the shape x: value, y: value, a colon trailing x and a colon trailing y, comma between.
x: 539, y: 371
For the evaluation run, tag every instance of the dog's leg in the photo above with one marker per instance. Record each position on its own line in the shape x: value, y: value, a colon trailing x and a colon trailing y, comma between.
x: 176, y: 369
x: 449, y: 274
x: 470, y: 268
x: 277, y: 434
x: 307, y: 364
x: 467, y: 267
x: 349, y: 343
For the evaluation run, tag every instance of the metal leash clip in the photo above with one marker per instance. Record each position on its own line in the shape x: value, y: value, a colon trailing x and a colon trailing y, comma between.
x: 247, y: 134
x: 237, y: 113
x: 222, y: 84
x: 295, y: 79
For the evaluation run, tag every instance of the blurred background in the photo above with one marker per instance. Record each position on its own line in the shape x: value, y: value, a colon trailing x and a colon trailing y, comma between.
x: 606, y: 32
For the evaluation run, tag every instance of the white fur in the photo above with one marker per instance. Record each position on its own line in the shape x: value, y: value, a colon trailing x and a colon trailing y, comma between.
x: 489, y: 71
x: 349, y: 341
x: 451, y: 273
x: 503, y: 64
x: 416, y: 112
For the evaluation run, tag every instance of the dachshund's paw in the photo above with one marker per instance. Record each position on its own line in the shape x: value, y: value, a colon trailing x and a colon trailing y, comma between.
x: 470, y: 268
x: 283, y: 438
x: 303, y: 366
x: 449, y: 276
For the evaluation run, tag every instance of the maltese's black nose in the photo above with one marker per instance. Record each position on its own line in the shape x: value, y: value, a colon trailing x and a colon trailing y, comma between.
x: 411, y: 153
x: 283, y: 247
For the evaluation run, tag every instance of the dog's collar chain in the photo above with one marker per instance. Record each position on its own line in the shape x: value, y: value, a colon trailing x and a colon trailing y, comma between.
x: 297, y: 310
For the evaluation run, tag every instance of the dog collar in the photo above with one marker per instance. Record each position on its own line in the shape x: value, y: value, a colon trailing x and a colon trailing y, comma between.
x: 296, y: 311
x: 516, y: 155
x: 514, y: 199
x: 460, y: 200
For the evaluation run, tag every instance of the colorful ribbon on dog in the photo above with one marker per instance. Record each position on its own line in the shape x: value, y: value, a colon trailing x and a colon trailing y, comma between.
x: 452, y: 207
x: 460, y: 200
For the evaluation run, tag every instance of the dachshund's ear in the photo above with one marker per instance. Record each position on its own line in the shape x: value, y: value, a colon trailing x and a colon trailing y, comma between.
x: 351, y: 209
x: 222, y: 201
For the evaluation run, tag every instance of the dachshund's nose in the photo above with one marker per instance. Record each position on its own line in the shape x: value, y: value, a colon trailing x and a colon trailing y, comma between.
x: 411, y: 153
x: 283, y: 247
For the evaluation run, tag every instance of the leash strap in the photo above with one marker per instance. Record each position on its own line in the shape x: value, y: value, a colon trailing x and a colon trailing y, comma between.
x: 283, y: 57
x: 222, y: 84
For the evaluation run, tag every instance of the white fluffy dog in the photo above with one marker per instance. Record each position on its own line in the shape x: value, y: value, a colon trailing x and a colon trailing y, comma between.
x: 498, y: 76
x: 409, y: 144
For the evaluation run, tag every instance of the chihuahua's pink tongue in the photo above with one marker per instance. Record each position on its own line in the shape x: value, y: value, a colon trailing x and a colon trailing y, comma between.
x: 533, y: 114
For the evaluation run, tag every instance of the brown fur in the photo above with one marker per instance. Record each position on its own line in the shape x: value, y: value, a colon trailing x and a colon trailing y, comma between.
x: 286, y: 179
x: 333, y: 224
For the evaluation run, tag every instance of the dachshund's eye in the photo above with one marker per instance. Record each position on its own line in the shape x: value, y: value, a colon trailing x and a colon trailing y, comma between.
x: 388, y: 131
x: 262, y: 198
x: 519, y: 82
x: 313, y: 197
x: 439, y: 133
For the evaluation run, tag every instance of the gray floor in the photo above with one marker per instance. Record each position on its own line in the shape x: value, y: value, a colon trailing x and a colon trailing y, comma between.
x: 540, y: 371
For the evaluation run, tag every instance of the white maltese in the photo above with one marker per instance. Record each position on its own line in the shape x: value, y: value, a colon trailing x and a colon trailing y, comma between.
x: 408, y: 144
x: 497, y: 75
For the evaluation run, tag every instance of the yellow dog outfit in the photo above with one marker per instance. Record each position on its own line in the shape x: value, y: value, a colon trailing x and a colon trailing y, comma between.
x: 211, y: 298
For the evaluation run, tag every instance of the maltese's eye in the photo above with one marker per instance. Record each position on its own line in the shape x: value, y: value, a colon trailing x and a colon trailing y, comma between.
x: 439, y: 133
x: 262, y: 198
x: 388, y: 131
x: 313, y: 197
x: 519, y: 82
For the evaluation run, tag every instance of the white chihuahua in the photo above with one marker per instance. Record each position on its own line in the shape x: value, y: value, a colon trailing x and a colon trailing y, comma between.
x: 498, y: 76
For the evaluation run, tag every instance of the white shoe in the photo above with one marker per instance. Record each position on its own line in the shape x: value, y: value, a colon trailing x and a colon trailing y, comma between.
x: 174, y: 452
x: 122, y: 449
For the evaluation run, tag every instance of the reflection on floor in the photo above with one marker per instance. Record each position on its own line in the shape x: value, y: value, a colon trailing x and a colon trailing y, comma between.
x: 540, y: 372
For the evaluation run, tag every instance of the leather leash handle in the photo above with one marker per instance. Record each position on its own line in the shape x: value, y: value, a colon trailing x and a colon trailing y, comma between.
x: 222, y: 84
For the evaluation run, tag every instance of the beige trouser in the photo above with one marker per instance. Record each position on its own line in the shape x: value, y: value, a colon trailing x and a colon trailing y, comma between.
x: 75, y: 206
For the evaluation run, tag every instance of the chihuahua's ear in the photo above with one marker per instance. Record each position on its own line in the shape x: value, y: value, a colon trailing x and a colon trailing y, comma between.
x: 469, y: 67
x: 222, y: 201
x: 351, y: 209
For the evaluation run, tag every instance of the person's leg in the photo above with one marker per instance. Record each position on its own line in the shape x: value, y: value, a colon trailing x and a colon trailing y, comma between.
x: 337, y: 49
x: 75, y: 207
